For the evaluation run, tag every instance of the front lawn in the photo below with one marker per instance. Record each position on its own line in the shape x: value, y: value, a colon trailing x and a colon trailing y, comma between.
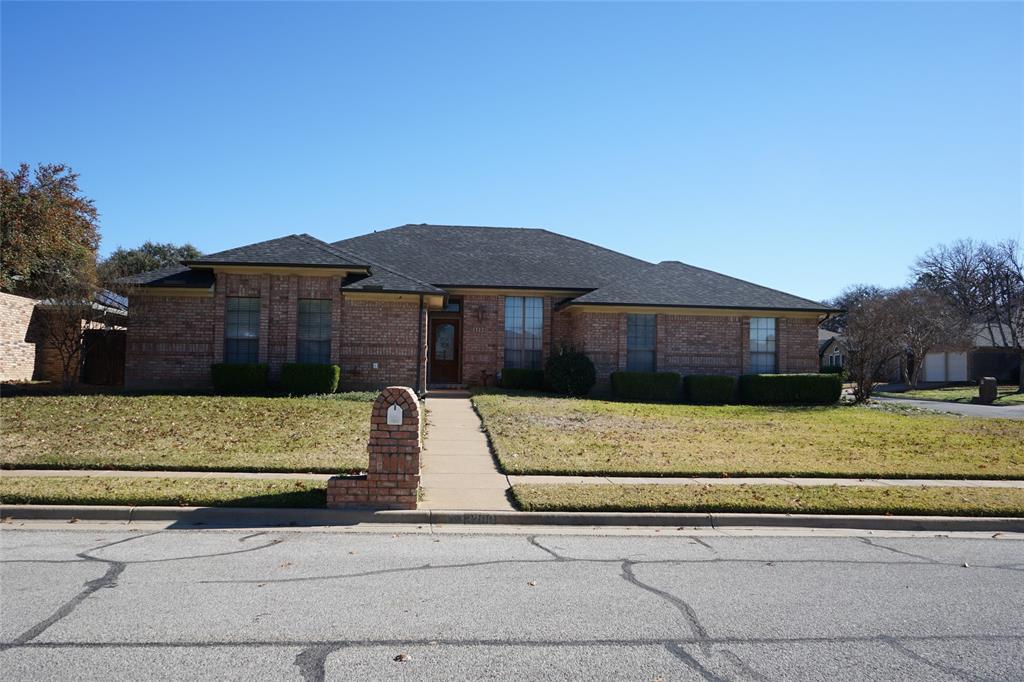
x: 549, y: 435
x: 169, y: 492
x: 773, y: 499
x: 1006, y: 395
x: 197, y: 433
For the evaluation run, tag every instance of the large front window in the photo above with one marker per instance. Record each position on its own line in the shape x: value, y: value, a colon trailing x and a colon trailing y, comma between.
x: 314, y: 337
x: 242, y: 330
x: 762, y: 345
x: 524, y: 326
x: 640, y: 337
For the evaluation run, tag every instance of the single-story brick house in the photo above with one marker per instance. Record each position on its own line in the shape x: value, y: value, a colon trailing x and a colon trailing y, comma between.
x: 430, y: 305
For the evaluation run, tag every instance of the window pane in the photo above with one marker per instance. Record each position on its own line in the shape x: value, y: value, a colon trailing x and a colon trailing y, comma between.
x: 444, y: 342
x: 641, y: 334
x: 314, y: 333
x: 524, y: 331
x: 762, y: 345
x: 242, y: 330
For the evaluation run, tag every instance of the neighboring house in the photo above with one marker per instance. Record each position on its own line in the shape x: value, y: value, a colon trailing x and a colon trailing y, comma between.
x: 831, y: 351
x: 423, y: 305
x: 27, y: 336
x: 989, y: 355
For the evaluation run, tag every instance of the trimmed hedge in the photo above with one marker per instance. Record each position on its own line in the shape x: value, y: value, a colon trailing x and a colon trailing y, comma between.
x: 239, y: 378
x: 570, y: 372
x: 525, y: 379
x: 309, y: 378
x: 659, y: 387
x: 790, y: 389
x: 709, y: 389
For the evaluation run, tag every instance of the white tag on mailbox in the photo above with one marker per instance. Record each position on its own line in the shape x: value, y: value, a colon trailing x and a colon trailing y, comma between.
x: 394, y: 416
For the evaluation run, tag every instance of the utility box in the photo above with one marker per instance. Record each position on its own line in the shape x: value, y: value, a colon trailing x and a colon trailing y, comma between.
x: 988, y: 390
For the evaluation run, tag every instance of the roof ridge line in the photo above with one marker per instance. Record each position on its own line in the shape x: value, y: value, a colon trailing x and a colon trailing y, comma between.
x: 331, y: 248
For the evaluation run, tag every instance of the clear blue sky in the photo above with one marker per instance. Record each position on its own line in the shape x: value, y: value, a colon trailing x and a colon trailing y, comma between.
x: 801, y: 146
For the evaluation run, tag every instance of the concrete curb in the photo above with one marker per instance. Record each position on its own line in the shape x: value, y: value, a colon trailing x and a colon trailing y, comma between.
x: 223, y: 517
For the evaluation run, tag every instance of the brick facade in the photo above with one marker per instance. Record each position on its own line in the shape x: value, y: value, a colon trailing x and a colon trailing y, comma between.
x: 17, y: 350
x: 694, y: 344
x: 380, y: 340
x: 393, y: 476
x: 173, y: 340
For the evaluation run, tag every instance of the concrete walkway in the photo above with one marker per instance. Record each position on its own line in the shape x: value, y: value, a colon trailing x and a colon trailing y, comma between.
x: 966, y: 409
x: 458, y: 471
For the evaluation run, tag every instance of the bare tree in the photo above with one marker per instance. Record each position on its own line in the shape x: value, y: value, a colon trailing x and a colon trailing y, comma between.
x: 926, y: 321
x: 986, y: 284
x: 872, y: 331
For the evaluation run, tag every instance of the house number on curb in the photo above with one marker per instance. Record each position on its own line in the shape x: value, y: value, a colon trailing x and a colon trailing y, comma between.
x: 394, y: 416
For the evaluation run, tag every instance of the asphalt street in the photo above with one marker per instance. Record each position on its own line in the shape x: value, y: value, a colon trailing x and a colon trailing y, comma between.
x: 107, y: 603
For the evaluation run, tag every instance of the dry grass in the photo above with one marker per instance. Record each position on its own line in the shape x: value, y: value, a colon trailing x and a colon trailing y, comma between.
x: 172, y: 492
x: 173, y: 432
x: 918, y: 501
x: 547, y: 435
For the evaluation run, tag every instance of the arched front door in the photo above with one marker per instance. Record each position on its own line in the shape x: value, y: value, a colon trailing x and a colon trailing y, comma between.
x: 444, y: 351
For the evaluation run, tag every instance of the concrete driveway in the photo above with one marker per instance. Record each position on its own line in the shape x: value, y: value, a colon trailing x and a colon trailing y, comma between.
x: 966, y: 409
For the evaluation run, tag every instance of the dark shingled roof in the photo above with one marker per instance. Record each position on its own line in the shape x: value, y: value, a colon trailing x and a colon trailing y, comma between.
x: 382, y: 278
x: 179, y: 276
x: 501, y: 257
x: 671, y: 283
x: 300, y: 250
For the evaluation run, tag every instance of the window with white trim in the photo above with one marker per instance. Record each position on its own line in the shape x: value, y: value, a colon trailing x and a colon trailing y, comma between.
x: 762, y: 345
x: 524, y: 328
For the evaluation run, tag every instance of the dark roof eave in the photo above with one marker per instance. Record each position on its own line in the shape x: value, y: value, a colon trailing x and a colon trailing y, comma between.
x: 705, y: 307
x: 521, y: 287
x: 371, y: 290
x: 212, y: 263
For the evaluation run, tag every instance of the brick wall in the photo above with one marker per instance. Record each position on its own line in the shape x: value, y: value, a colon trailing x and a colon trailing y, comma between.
x: 700, y: 344
x: 483, y: 338
x: 170, y: 342
x: 382, y: 332
x: 798, y: 345
x: 602, y: 338
x: 694, y: 344
x: 17, y: 352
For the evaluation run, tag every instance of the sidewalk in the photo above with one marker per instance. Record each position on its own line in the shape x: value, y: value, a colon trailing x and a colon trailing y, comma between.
x: 458, y: 466
x: 458, y: 471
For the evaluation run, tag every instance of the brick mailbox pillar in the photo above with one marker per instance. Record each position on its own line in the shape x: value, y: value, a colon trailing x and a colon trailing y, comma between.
x: 393, y: 477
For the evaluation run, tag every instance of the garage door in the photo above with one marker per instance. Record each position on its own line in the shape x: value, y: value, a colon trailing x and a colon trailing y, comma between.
x: 956, y: 366
x: 934, y: 367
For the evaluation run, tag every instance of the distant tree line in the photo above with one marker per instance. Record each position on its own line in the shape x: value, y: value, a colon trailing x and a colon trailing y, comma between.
x: 957, y: 291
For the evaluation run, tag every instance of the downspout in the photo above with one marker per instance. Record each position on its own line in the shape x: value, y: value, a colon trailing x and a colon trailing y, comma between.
x: 419, y: 350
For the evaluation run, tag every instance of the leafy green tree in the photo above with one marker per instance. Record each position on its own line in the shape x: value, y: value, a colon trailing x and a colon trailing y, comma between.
x: 150, y: 256
x: 49, y: 232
